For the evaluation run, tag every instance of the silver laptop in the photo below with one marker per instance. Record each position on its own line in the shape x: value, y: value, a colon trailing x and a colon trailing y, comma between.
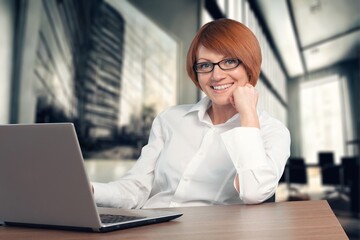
x: 43, y: 183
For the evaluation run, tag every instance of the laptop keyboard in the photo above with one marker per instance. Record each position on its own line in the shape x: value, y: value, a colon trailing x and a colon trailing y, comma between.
x: 109, y: 218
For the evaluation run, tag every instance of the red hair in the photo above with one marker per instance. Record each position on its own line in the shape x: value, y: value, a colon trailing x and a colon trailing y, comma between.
x: 231, y: 39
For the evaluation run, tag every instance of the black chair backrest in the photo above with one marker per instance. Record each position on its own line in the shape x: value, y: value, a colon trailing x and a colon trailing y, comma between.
x: 330, y: 172
x: 350, y: 169
x: 326, y: 158
x: 296, y: 161
x: 295, y: 171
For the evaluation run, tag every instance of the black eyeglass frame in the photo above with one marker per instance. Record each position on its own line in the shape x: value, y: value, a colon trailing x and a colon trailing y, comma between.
x: 218, y: 64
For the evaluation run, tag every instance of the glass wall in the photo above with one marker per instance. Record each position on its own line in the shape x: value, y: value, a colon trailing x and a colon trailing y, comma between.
x: 102, y: 65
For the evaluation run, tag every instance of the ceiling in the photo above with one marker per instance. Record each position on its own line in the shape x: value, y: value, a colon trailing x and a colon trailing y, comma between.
x: 312, y: 34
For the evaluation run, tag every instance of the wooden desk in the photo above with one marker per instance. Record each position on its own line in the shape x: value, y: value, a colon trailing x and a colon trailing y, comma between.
x: 284, y: 220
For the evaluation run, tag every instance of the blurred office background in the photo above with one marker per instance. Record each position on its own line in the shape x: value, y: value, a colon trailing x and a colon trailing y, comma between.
x: 109, y: 66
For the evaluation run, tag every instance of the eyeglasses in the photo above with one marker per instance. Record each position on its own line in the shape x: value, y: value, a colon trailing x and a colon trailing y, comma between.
x: 226, y: 64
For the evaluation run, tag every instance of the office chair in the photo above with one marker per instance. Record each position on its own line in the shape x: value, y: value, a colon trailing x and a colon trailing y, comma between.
x: 296, y: 173
x: 349, y: 165
x: 325, y: 158
x: 297, y: 170
x: 331, y: 175
x: 351, y: 172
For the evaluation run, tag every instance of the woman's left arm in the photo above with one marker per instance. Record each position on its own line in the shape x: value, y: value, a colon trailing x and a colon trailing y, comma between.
x: 259, y: 151
x: 259, y: 156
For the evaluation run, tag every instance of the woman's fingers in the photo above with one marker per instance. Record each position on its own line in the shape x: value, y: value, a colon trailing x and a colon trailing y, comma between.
x: 245, y: 98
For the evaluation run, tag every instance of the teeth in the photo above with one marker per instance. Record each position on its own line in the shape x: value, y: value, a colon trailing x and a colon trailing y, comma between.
x: 222, y: 87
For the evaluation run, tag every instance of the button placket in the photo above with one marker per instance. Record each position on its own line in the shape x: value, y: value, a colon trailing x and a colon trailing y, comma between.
x: 193, y: 165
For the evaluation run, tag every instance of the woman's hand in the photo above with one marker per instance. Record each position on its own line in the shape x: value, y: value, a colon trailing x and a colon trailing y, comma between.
x: 244, y: 100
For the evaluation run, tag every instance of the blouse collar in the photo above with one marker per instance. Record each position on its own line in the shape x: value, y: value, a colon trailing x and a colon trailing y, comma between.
x: 201, y: 107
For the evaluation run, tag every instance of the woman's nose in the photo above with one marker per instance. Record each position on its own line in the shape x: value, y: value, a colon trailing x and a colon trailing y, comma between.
x: 217, y: 73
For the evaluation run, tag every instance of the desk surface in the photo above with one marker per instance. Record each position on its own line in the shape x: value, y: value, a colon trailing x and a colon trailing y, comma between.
x: 283, y: 220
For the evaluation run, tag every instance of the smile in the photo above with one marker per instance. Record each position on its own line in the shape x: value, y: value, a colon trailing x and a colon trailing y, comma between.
x: 222, y: 87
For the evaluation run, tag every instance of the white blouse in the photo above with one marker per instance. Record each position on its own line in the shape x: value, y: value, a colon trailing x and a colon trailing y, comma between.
x: 188, y: 161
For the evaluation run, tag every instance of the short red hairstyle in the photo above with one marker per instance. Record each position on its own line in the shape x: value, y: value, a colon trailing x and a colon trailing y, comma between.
x: 231, y: 39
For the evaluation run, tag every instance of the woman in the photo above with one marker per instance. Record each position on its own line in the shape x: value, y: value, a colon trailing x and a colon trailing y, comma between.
x: 221, y: 150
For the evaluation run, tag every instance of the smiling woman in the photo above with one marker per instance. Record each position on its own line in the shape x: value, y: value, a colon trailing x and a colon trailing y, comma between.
x: 221, y: 150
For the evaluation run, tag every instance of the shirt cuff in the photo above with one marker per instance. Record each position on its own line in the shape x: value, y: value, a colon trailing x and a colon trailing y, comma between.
x: 245, y: 147
x: 102, y: 193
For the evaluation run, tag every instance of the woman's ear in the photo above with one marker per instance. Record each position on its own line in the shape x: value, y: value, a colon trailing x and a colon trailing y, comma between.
x: 251, y: 81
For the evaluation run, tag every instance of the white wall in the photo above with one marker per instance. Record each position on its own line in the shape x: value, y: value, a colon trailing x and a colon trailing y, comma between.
x: 7, y: 21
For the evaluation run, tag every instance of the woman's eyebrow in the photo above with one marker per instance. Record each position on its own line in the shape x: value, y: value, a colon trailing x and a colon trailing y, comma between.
x: 208, y: 60
x: 204, y: 59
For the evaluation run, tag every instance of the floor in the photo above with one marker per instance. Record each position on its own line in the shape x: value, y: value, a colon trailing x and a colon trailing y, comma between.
x: 108, y: 170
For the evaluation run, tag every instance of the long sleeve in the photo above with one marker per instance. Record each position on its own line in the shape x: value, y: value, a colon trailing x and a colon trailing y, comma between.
x: 259, y: 156
x: 133, y: 189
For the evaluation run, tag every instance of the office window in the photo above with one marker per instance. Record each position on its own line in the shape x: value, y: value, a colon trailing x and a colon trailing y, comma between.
x: 205, y: 17
x: 268, y: 102
x: 223, y: 5
x: 271, y: 69
x: 321, y: 118
x: 235, y: 9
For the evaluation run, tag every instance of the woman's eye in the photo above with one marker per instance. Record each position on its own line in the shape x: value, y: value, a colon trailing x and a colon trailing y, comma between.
x: 204, y: 65
x: 230, y: 61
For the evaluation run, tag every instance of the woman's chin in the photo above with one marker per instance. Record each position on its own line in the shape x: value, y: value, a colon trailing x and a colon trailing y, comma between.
x: 222, y: 101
